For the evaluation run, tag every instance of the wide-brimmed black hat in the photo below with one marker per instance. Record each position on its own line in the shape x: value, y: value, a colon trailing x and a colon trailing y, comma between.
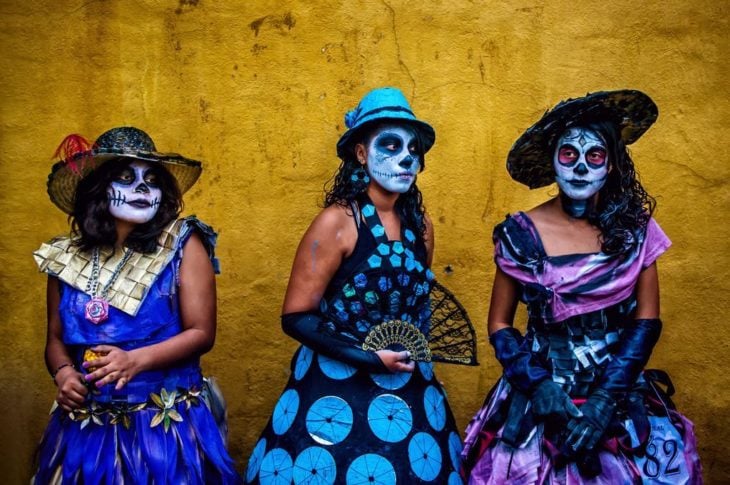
x: 530, y: 161
x: 78, y: 158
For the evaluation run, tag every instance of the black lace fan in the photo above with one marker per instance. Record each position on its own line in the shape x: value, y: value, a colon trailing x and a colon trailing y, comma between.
x: 450, y: 337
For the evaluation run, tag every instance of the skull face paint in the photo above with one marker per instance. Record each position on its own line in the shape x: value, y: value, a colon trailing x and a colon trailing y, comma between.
x: 581, y: 163
x: 134, y: 194
x: 393, y: 160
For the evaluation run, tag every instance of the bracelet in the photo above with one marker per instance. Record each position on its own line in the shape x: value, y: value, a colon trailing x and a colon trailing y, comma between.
x: 54, y: 373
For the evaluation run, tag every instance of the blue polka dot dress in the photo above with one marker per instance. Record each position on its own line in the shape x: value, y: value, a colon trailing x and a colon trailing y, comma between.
x: 335, y: 423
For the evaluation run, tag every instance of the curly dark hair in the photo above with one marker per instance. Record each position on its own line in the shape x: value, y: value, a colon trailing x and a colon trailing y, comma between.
x: 91, y: 223
x: 342, y: 190
x: 624, y: 207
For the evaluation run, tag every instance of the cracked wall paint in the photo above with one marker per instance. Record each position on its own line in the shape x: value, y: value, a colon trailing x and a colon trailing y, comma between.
x: 258, y: 90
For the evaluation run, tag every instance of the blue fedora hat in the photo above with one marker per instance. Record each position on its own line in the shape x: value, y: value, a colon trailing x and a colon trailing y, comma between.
x: 378, y: 106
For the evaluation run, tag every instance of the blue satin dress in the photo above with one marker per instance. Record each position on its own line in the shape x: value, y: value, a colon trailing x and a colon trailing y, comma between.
x: 159, y: 428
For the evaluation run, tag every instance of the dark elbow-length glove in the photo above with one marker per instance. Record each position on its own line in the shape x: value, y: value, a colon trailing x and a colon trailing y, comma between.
x: 635, y: 347
x: 525, y: 374
x: 307, y: 328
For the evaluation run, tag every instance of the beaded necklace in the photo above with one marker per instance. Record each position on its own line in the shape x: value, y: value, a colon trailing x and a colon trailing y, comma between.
x: 97, y: 309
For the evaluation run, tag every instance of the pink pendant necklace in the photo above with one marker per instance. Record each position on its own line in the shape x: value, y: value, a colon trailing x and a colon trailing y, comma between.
x: 97, y: 309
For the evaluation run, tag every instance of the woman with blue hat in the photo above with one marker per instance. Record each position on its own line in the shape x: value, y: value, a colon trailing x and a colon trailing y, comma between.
x: 361, y: 406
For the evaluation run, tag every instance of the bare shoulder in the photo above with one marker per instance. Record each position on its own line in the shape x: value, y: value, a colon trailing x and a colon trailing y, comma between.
x: 195, y: 255
x: 334, y: 226
x: 332, y: 219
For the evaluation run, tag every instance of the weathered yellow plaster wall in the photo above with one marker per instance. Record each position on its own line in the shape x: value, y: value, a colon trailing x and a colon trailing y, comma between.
x: 257, y: 89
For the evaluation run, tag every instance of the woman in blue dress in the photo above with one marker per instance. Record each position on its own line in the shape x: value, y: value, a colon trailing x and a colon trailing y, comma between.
x: 361, y: 272
x: 131, y: 308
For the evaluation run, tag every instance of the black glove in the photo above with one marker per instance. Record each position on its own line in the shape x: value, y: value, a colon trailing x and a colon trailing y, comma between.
x: 618, y: 378
x: 523, y: 372
x: 549, y: 399
x: 637, y: 342
x: 585, y: 432
x: 531, y: 382
x: 308, y: 328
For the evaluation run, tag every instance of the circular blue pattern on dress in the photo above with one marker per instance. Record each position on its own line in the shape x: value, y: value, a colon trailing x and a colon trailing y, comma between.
x: 426, y: 369
x: 334, y: 369
x: 433, y: 403
x: 254, y: 462
x: 455, y: 450
x: 315, y: 466
x: 454, y: 479
x: 390, y: 418
x: 304, y: 360
x: 391, y: 381
x: 276, y: 468
x: 285, y: 411
x: 425, y: 456
x: 370, y: 469
x: 329, y: 420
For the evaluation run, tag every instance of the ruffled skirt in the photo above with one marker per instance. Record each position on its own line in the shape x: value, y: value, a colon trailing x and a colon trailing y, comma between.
x: 173, y: 438
x: 667, y: 455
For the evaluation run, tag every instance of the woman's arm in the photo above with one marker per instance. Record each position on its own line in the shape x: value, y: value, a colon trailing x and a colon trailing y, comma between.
x: 503, y: 304
x: 330, y: 238
x: 647, y: 293
x: 71, y: 389
x: 522, y: 370
x: 637, y: 341
x: 198, y: 313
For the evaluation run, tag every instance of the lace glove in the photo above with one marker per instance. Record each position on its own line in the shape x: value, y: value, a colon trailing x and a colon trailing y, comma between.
x: 619, y: 376
x: 306, y: 327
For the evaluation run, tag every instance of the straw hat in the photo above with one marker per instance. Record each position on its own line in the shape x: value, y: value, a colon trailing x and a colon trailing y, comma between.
x: 530, y: 161
x: 78, y: 158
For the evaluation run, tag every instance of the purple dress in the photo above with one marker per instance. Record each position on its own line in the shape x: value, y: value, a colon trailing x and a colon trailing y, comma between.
x: 159, y: 428
x: 577, y: 306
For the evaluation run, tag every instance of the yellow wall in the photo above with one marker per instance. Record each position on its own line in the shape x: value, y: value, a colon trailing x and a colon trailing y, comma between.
x: 257, y: 89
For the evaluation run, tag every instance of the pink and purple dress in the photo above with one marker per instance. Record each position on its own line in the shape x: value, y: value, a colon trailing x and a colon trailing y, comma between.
x: 578, y: 305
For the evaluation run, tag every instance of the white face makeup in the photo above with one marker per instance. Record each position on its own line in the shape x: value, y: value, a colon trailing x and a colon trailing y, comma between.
x: 134, y: 195
x: 393, y: 161
x: 581, y: 163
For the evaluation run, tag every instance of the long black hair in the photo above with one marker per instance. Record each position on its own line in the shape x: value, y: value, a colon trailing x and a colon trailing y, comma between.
x: 624, y: 207
x: 91, y: 223
x: 342, y: 190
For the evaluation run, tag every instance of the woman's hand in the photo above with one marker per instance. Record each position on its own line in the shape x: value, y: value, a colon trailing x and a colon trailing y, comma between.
x: 71, y: 389
x: 116, y: 365
x: 397, y: 361
x: 550, y: 401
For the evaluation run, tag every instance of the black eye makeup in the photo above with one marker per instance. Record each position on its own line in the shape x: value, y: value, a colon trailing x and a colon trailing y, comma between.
x: 389, y: 143
x: 125, y: 176
x: 150, y: 178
